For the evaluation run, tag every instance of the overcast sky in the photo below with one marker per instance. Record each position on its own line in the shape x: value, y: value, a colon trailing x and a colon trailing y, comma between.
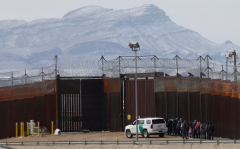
x: 216, y: 20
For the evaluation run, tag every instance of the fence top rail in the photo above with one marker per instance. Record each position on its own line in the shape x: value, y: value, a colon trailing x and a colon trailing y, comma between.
x: 146, y: 142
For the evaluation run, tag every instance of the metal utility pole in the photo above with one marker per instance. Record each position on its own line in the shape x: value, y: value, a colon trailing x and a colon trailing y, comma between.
x: 55, y: 70
x: 155, y: 65
x: 12, y: 78
x: 25, y: 77
x: 119, y: 64
x: 222, y: 72
x: 177, y: 58
x: 235, y: 65
x: 42, y: 74
x: 200, y: 58
x: 208, y: 68
x: 227, y: 67
x: 136, y: 99
x: 234, y: 54
x: 135, y: 47
x: 103, y: 59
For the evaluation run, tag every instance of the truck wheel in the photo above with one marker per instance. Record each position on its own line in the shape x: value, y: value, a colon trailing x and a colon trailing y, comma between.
x: 161, y: 135
x: 145, y: 134
x: 129, y: 134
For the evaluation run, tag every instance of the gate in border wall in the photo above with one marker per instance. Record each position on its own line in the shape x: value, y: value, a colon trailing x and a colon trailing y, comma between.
x: 80, y: 104
x: 89, y: 103
x: 69, y: 105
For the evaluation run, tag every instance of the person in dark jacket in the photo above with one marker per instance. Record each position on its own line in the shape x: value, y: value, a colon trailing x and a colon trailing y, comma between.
x: 174, y: 125
x: 169, y: 126
x: 184, y: 130
x: 206, y: 130
x: 210, y: 131
x: 202, y: 130
x: 178, y: 127
x: 194, y: 132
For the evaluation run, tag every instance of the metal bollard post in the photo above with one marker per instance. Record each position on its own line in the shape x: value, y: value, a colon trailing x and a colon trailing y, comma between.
x: 52, y: 127
x: 27, y: 129
x: 32, y: 129
x: 16, y: 129
x: 22, y: 129
x: 38, y: 129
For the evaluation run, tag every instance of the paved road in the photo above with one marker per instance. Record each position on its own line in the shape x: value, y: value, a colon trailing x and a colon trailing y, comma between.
x: 91, y: 136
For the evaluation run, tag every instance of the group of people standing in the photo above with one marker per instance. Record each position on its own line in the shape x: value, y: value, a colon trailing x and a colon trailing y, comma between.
x: 193, y: 129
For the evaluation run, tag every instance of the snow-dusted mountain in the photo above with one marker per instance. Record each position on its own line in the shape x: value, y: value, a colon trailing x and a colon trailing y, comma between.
x: 92, y: 31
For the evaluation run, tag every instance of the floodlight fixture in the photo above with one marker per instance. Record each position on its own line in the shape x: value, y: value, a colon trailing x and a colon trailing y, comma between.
x: 134, y: 46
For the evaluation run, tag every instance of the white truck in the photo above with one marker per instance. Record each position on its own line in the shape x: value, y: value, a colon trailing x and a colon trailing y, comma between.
x: 146, y: 127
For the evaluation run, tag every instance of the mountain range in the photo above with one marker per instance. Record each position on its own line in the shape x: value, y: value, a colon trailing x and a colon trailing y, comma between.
x: 89, y: 32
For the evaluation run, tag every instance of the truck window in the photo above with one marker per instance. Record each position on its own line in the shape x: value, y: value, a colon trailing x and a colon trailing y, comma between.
x: 140, y: 121
x: 158, y: 121
x: 148, y: 122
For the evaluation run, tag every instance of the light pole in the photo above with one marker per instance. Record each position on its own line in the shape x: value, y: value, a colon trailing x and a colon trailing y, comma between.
x: 233, y: 55
x: 135, y: 47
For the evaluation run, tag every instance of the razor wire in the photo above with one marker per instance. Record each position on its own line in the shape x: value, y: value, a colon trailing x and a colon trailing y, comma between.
x: 74, y: 67
x: 168, y: 66
x: 26, y: 76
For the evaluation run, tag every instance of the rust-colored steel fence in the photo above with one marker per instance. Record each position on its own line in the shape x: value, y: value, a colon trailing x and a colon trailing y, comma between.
x: 100, y: 103
x: 146, y: 99
x: 113, y: 107
x: 213, y: 101
x: 39, y: 109
x: 22, y: 103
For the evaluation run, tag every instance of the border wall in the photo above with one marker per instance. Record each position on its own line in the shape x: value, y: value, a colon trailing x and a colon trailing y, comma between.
x: 27, y: 102
x: 216, y: 101
x: 112, y: 99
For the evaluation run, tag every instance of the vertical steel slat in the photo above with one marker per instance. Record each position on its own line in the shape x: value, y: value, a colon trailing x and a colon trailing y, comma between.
x: 74, y: 112
x: 76, y: 109
x: 166, y: 103
x: 63, y: 114
x: 79, y: 113
x: 71, y: 112
x: 68, y: 111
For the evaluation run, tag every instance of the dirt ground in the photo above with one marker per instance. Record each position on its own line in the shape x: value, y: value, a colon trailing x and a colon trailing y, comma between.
x: 90, y: 136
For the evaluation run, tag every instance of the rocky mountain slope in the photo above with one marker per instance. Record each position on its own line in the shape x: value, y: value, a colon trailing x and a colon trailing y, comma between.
x: 92, y: 31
